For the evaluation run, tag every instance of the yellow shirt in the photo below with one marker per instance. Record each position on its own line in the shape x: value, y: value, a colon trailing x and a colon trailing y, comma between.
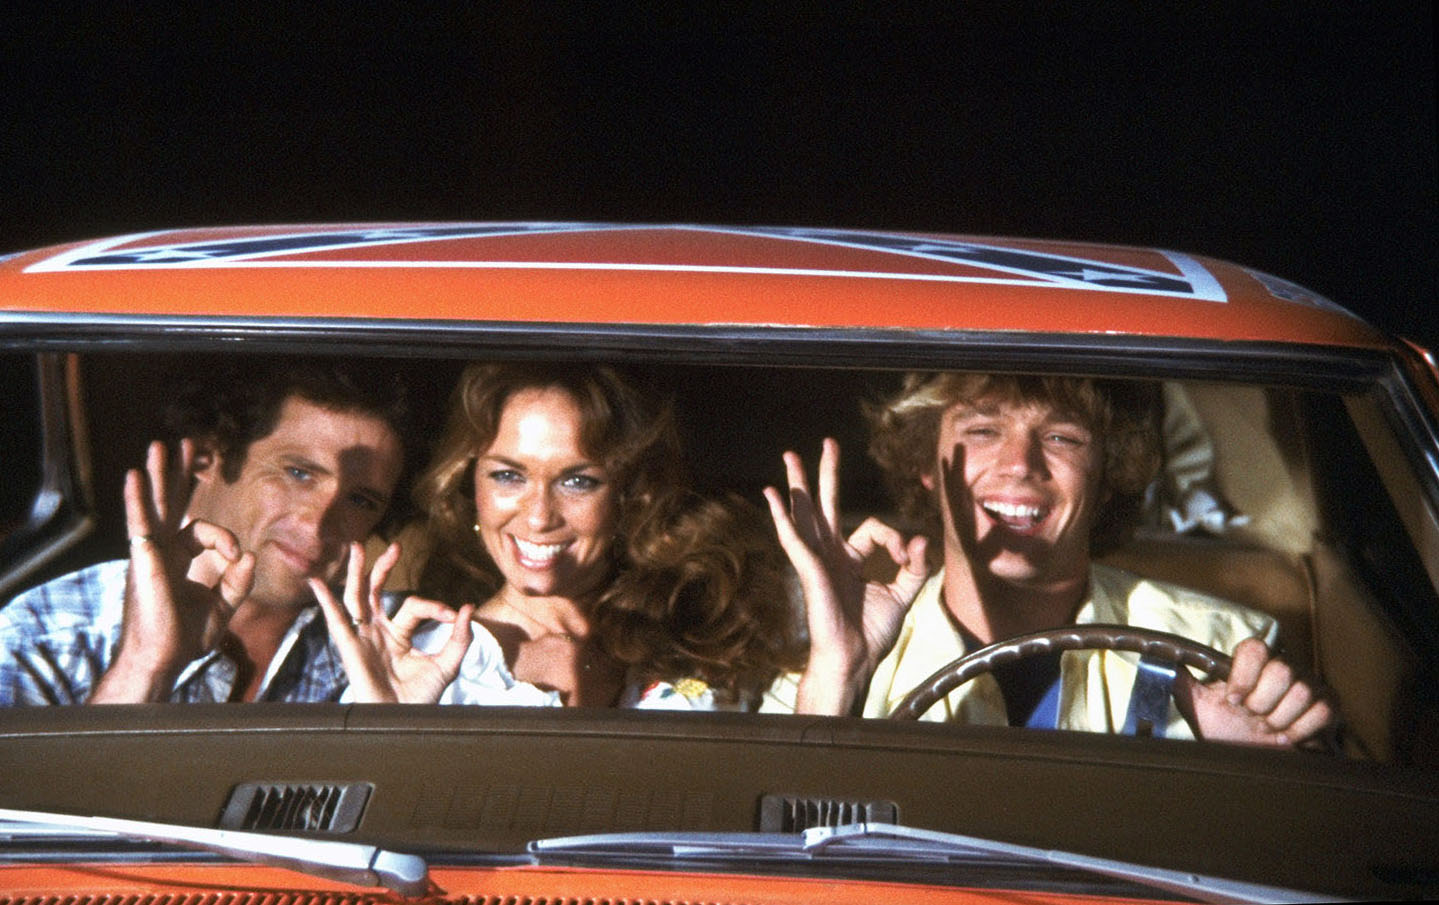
x: 1094, y: 685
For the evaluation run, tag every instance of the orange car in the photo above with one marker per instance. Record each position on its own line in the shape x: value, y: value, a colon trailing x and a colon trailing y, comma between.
x: 1300, y: 479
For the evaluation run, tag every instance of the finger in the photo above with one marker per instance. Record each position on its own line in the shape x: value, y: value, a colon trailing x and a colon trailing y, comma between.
x: 357, y: 585
x: 379, y: 573
x: 794, y: 472
x: 1320, y: 716
x: 815, y: 581
x: 177, y: 498
x: 199, y: 536
x: 1275, y: 680
x: 873, y: 533
x: 452, y: 654
x: 782, y: 516
x: 802, y: 502
x: 799, y: 548
x: 139, y: 524
x: 417, y: 610
x: 155, y: 469
x: 829, y: 485
x: 147, y: 564
x: 1185, y: 692
x: 910, y: 579
x: 777, y: 512
x: 1291, y: 706
x: 918, y: 551
x: 802, y: 505
x: 236, y: 581
x: 336, y: 618
x: 807, y: 564
x: 1250, y: 655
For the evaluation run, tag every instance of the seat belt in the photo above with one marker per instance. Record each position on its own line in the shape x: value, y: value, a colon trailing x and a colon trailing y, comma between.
x: 1149, y: 699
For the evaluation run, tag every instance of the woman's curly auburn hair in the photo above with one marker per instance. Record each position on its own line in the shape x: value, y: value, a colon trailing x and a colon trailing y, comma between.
x: 698, y: 585
x: 904, y: 437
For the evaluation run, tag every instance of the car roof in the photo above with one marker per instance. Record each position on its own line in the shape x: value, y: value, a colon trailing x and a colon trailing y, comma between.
x: 606, y: 273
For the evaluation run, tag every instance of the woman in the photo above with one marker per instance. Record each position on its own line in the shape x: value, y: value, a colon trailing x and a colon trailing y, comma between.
x: 559, y: 510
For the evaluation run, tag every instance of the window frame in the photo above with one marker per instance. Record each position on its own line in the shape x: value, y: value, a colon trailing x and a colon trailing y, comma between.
x: 62, y: 509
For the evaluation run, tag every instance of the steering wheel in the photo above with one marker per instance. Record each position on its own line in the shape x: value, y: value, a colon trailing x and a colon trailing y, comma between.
x: 1162, y: 647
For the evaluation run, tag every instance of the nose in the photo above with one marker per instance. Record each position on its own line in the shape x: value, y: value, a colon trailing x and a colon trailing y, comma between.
x: 540, y: 510
x: 321, y: 515
x: 1021, y: 454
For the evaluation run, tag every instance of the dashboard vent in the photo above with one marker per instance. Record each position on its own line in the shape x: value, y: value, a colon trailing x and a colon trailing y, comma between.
x: 296, y: 807
x: 794, y: 814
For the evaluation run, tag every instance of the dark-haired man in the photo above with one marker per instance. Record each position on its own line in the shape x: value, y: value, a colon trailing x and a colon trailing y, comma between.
x: 279, y: 470
x: 1022, y: 480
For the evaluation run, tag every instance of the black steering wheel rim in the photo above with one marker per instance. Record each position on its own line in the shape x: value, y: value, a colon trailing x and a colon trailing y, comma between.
x: 1168, y: 648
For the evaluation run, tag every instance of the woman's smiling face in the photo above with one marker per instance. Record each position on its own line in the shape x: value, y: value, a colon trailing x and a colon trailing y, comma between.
x: 545, y: 509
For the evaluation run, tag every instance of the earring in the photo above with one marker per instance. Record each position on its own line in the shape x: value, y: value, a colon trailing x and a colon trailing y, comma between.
x: 476, y: 526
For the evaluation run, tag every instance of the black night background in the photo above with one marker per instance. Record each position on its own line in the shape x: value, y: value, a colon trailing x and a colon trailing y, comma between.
x: 1295, y: 138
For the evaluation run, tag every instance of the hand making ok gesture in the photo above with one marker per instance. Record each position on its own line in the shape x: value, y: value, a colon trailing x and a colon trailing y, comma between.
x: 379, y: 658
x: 185, y: 581
x: 853, y: 621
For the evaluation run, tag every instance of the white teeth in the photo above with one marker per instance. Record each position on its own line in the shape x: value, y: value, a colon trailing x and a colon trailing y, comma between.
x: 539, y: 552
x: 1013, y: 510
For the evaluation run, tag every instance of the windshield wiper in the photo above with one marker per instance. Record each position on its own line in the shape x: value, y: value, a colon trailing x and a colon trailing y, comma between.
x: 346, y: 862
x: 891, y: 842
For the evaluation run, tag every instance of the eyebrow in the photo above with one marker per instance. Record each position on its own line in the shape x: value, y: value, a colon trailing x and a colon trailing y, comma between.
x: 519, y: 466
x: 305, y: 462
x: 992, y: 410
x: 503, y: 460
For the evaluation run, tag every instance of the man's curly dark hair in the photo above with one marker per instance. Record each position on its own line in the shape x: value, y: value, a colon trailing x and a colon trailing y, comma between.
x: 232, y: 402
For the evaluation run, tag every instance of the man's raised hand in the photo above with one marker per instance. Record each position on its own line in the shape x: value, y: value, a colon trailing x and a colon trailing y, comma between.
x: 184, y: 583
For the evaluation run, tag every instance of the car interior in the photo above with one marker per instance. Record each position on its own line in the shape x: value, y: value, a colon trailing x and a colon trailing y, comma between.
x: 1284, y: 497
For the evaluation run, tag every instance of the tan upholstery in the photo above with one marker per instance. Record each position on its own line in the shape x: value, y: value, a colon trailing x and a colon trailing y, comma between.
x: 1260, y: 462
x: 1274, y: 562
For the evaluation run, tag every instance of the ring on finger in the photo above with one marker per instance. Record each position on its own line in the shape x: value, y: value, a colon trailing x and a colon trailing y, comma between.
x: 139, y: 539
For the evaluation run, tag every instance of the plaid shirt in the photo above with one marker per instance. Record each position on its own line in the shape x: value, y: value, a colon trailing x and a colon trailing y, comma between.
x: 57, y: 640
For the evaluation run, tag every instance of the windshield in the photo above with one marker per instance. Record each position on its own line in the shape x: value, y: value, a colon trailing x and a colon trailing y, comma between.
x: 680, y: 597
x: 1285, y: 504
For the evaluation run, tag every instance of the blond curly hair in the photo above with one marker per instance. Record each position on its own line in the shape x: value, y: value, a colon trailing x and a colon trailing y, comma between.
x: 904, y: 437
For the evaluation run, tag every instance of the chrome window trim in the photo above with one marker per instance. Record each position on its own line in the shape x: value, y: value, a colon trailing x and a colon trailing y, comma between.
x: 871, y: 347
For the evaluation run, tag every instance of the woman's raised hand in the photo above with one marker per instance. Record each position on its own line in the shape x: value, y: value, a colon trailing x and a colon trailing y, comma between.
x: 382, y: 664
x: 852, y: 621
